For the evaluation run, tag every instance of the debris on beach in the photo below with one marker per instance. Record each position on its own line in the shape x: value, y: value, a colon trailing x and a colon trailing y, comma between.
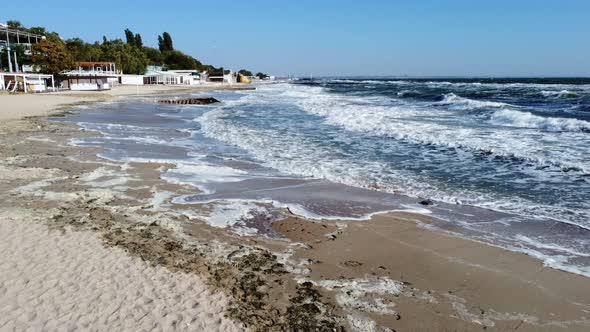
x: 190, y: 101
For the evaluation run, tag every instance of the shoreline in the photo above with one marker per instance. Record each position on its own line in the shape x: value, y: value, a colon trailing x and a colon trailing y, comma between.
x: 18, y: 106
x: 401, y: 276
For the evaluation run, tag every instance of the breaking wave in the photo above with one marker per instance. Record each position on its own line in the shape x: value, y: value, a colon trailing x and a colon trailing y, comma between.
x: 457, y: 102
x: 519, y: 119
x: 559, y: 94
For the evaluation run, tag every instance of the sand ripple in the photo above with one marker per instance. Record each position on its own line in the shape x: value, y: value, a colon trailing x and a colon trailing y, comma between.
x: 54, y: 281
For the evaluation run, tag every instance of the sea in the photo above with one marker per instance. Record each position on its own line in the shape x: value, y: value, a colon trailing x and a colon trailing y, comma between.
x: 503, y: 161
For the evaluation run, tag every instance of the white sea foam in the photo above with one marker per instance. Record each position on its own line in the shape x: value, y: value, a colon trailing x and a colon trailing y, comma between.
x: 295, y: 155
x: 200, y: 174
x: 206, y: 173
x: 520, y: 119
x: 301, y: 155
x: 457, y: 102
x: 534, y: 248
x: 351, y: 293
x: 558, y: 94
x: 232, y: 214
x: 424, y: 125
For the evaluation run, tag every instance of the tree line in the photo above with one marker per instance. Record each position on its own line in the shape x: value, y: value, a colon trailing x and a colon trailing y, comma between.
x: 55, y: 55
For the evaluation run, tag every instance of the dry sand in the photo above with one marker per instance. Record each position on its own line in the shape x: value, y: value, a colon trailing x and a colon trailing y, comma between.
x: 13, y: 107
x: 54, y: 281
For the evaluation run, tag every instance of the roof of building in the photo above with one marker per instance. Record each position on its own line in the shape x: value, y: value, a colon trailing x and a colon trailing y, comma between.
x: 216, y: 73
x: 6, y: 29
x: 93, y: 64
x: 161, y: 73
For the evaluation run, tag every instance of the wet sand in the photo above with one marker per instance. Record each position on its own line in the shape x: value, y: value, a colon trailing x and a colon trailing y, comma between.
x: 385, y: 274
x: 450, y: 283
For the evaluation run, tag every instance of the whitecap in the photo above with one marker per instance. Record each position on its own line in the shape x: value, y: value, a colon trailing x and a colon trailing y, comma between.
x: 457, y: 102
x: 520, y: 119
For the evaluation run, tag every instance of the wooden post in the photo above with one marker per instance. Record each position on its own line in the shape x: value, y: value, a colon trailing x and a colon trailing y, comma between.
x: 25, y: 83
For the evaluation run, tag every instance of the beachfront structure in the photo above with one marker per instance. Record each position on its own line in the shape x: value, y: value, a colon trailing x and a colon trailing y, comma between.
x: 172, y: 77
x: 188, y: 76
x: 11, y: 37
x: 26, y: 82
x: 161, y: 77
x: 92, y: 76
x: 131, y: 79
x: 219, y: 76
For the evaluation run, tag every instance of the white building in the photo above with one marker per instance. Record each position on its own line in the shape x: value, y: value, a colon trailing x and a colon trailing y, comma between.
x: 26, y: 82
x: 131, y: 79
x: 92, y: 76
x: 227, y: 77
x: 172, y: 77
x: 11, y: 37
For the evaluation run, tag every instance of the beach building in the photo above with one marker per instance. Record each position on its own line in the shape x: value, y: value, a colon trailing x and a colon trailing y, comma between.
x: 161, y: 77
x: 12, y: 37
x: 131, y: 79
x: 220, y: 76
x: 188, y: 76
x: 172, y: 77
x: 26, y: 82
x: 92, y: 76
x: 20, y: 77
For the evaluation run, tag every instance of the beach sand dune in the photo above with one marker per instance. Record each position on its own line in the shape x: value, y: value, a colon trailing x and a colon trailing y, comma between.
x: 53, y: 280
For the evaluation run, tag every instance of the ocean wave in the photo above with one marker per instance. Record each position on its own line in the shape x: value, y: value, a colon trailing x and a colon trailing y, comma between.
x: 304, y: 156
x: 462, y: 103
x: 421, y: 124
x: 520, y: 119
x: 559, y: 94
x: 409, y: 93
x: 359, y: 81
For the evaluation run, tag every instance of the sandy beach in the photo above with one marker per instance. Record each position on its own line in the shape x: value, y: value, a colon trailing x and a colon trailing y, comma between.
x: 92, y: 244
x: 18, y: 106
x: 66, y: 279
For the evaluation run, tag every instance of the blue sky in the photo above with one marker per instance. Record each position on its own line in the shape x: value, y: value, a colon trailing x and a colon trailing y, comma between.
x: 463, y: 38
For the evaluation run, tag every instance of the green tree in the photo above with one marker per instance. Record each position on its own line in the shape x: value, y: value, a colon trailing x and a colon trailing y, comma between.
x: 128, y: 58
x: 38, y: 30
x: 178, y: 60
x: 21, y: 56
x: 154, y: 55
x: 168, y: 41
x: 209, y: 68
x: 165, y: 42
x: 13, y: 24
x: 261, y: 75
x: 245, y: 72
x: 3, y: 58
x: 129, y: 37
x: 138, y: 41
x: 161, y: 43
x: 51, y: 58
x: 82, y: 51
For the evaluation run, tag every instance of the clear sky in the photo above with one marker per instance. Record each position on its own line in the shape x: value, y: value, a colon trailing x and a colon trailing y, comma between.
x: 342, y: 37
